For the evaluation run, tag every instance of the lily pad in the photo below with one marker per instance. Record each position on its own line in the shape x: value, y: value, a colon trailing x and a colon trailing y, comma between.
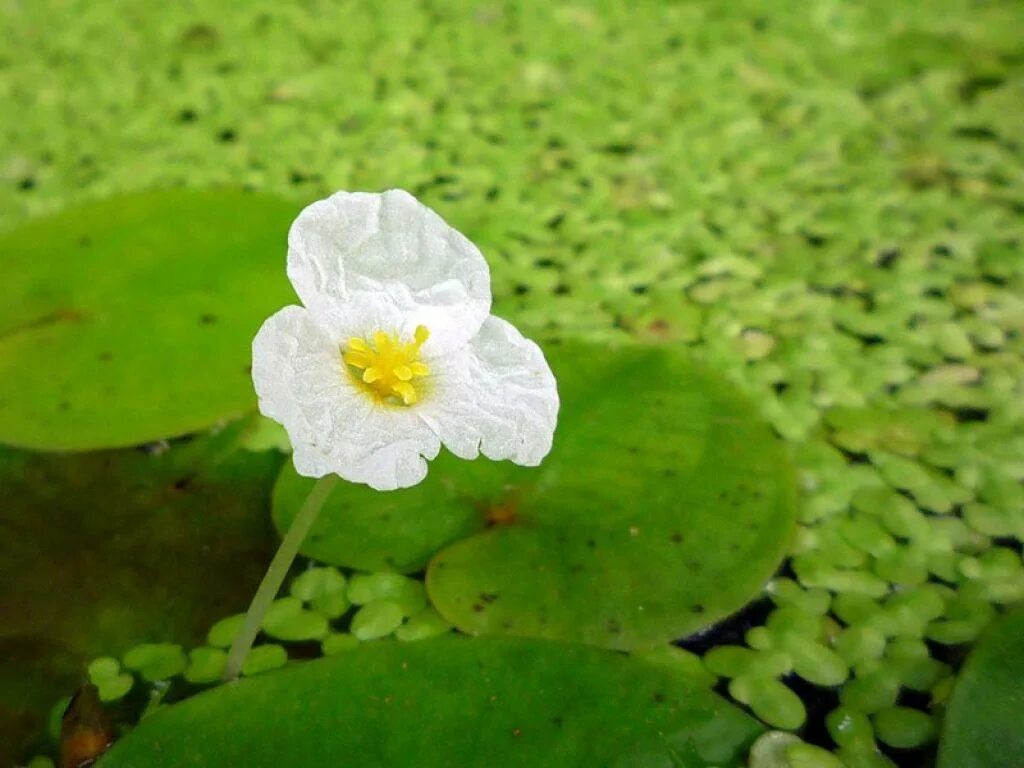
x: 654, y: 516
x: 983, y: 722
x: 130, y: 320
x: 152, y: 548
x: 503, y: 702
x: 370, y: 531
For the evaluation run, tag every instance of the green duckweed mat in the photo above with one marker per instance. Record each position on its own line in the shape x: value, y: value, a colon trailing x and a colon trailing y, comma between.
x: 822, y: 201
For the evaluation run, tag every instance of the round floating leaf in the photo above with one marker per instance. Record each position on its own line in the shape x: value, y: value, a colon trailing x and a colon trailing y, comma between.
x: 983, y: 722
x: 131, y: 319
x: 406, y: 592
x: 597, y: 708
x: 205, y: 665
x: 102, y: 551
x: 338, y: 643
x: 264, y: 658
x: 664, y: 506
x: 223, y: 633
x: 287, y: 620
x: 325, y: 589
x: 370, y: 531
x: 377, y: 619
x: 423, y: 624
x: 156, y: 661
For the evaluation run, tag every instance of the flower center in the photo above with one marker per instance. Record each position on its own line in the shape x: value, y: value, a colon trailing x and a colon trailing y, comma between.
x: 387, y: 367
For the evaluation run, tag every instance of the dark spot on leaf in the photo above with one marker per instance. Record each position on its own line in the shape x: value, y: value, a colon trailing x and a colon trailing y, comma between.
x: 183, y: 483
x: 971, y: 87
x: 659, y: 327
x: 888, y: 257
x: 619, y: 148
x: 676, y: 538
x: 501, y: 514
x: 488, y: 597
x: 207, y: 319
x: 200, y: 37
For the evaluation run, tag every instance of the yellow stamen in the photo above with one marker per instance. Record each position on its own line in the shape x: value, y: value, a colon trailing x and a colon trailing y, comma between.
x: 406, y: 391
x: 388, y: 368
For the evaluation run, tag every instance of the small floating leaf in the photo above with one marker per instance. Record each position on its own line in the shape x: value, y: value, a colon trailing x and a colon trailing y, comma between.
x: 156, y: 661
x: 287, y: 620
x: 205, y: 665
x: 377, y: 619
x: 263, y: 658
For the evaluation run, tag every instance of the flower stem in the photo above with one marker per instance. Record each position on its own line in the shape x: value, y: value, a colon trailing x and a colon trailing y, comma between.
x: 275, y: 574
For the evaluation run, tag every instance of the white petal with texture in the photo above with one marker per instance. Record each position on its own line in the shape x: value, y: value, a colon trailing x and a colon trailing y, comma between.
x: 364, y: 262
x: 496, y: 396
x: 334, y: 426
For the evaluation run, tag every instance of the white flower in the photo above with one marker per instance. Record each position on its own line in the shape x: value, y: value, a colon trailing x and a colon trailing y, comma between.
x: 395, y: 351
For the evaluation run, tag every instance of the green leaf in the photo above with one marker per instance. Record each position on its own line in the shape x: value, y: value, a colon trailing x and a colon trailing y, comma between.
x: 131, y: 319
x: 983, y: 721
x: 102, y: 551
x: 597, y: 708
x: 264, y: 658
x: 156, y: 661
x: 287, y: 620
x: 655, y: 515
x: 370, y: 531
x: 205, y: 665
x: 377, y: 619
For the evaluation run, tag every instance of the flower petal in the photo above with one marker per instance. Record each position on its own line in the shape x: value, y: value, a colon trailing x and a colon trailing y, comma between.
x: 334, y: 426
x: 496, y: 396
x: 363, y: 262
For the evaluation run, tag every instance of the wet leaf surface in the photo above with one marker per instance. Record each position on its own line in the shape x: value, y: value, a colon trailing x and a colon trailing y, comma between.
x: 449, y: 701
x: 101, y: 551
x: 130, y: 320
